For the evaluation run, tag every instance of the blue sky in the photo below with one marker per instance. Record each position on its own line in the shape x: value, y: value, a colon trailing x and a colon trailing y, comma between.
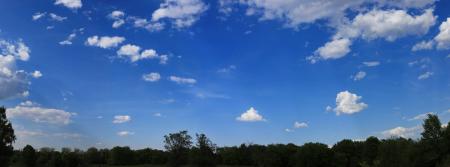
x: 77, y: 73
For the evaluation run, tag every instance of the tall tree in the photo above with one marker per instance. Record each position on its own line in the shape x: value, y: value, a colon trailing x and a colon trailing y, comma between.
x: 29, y: 156
x: 430, y: 147
x: 7, y: 138
x: 178, y: 145
x: 203, y: 153
x: 432, y: 129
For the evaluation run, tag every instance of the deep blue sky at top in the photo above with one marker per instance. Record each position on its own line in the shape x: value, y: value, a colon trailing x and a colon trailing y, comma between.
x: 238, y: 61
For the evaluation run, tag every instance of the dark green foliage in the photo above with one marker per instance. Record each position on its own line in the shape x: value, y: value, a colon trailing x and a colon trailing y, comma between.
x: 203, y: 154
x: 347, y: 153
x: 370, y: 151
x: 7, y: 138
x: 178, y: 145
x: 312, y: 155
x: 432, y: 150
x: 122, y: 156
x: 395, y: 153
x: 29, y: 156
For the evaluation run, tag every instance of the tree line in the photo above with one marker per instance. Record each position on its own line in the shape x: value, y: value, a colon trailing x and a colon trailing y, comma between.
x: 181, y: 149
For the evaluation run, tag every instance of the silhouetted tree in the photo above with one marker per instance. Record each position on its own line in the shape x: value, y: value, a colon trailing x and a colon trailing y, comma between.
x: 395, y: 153
x: 312, y: 155
x: 202, y: 155
x: 7, y: 138
x: 178, y: 145
x: 93, y: 156
x: 370, y: 150
x: 29, y: 156
x: 121, y: 156
x: 347, y: 153
x: 430, y: 145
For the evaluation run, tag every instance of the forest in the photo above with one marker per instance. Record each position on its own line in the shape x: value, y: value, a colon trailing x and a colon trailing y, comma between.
x: 432, y: 149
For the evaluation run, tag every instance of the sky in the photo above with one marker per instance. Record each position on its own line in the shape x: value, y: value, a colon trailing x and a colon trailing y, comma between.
x: 78, y: 73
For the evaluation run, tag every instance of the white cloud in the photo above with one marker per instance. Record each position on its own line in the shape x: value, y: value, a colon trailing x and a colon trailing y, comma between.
x: 402, y: 132
x: 105, y: 41
x: 295, y: 13
x: 55, y: 17
x: 180, y: 80
x: 13, y: 82
x: 38, y: 15
x: 348, y: 103
x: 335, y: 49
x: 28, y: 103
x: 144, y: 23
x: 36, y: 74
x: 443, y: 38
x: 72, y: 4
x: 118, y: 17
x: 420, y: 116
x: 40, y: 115
x: 182, y: 13
x: 387, y: 24
x: 118, y: 23
x: 125, y: 133
x: 68, y: 40
x: 118, y: 119
x: 300, y: 125
x: 371, y: 63
x: 117, y: 14
x: 163, y: 59
x: 360, y: 75
x: 423, y: 45
x: 151, y: 77
x: 288, y: 130
x: 251, y: 115
x: 425, y: 75
x: 133, y: 52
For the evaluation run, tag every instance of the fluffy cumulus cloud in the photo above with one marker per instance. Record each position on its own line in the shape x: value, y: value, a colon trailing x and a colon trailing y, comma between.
x: 251, y: 115
x: 13, y: 82
x: 348, y: 103
x: 72, y: 4
x: 151, y: 77
x: 181, y: 80
x: 124, y: 133
x: 332, y: 50
x: 40, y: 115
x: 36, y: 74
x: 181, y: 13
x: 360, y: 75
x: 443, y: 38
x: 385, y: 24
x: 402, y: 132
x: 297, y: 12
x: 134, y: 54
x: 118, y: 119
x: 104, y: 42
